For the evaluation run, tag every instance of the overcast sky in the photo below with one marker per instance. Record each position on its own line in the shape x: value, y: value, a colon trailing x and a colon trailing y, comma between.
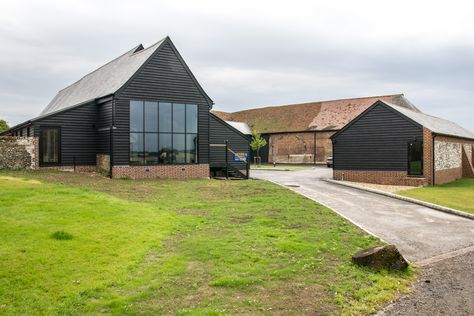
x: 250, y: 53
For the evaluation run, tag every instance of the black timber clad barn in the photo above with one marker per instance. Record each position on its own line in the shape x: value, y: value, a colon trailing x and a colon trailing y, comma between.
x: 390, y: 144
x: 143, y: 113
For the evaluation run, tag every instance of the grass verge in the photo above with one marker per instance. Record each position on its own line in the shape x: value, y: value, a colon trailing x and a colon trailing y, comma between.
x: 178, y: 247
x: 458, y: 194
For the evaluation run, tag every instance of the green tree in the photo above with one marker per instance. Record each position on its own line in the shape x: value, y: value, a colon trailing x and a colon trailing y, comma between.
x: 257, y: 142
x: 3, y: 125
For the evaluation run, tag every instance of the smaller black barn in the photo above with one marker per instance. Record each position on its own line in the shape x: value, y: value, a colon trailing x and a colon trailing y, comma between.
x: 390, y: 144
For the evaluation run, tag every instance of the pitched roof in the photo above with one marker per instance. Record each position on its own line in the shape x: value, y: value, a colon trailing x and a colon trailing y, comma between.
x: 433, y: 123
x: 103, y: 81
x: 322, y: 115
x: 241, y: 127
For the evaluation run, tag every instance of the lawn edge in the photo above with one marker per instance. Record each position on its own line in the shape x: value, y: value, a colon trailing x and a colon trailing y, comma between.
x: 407, y: 199
x: 328, y: 207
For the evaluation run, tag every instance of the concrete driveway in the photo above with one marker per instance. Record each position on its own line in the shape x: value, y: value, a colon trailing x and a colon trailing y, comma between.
x: 419, y: 232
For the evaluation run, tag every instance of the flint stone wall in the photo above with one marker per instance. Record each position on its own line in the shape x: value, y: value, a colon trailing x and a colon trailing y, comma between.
x: 19, y: 152
x: 448, y: 155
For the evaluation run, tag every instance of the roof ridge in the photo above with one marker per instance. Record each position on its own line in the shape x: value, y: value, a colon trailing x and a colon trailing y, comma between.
x: 145, y: 49
x: 95, y: 70
x: 320, y: 101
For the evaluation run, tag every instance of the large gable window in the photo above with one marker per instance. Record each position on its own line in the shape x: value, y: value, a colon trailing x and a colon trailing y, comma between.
x: 163, y: 133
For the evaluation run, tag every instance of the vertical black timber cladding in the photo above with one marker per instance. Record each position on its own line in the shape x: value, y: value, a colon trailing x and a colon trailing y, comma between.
x: 104, y: 122
x: 163, y: 78
x: 376, y: 141
x: 78, y: 133
x: 219, y: 132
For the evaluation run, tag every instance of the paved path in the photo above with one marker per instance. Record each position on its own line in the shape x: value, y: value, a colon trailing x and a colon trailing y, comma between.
x: 418, y: 232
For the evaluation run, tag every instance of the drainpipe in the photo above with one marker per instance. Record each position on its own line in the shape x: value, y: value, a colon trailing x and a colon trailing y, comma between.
x: 433, y: 135
x: 314, y: 148
x: 111, y: 147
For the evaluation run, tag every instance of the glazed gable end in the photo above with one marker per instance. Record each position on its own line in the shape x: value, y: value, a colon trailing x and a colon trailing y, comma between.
x: 164, y: 77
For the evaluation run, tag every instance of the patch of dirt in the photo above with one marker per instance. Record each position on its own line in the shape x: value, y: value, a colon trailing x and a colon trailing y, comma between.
x: 443, y: 288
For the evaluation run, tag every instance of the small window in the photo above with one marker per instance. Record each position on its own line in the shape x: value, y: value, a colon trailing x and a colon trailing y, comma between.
x: 50, y: 145
x: 415, y: 158
x: 191, y: 118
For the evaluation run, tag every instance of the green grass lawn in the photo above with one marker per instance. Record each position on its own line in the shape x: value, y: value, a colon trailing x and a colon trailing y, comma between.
x: 82, y: 244
x: 458, y: 194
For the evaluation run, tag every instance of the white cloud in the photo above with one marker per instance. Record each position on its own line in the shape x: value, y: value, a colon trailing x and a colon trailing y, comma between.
x: 250, y: 53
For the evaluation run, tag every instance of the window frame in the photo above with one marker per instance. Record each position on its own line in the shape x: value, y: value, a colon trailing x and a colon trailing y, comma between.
x: 41, y: 145
x: 170, y: 133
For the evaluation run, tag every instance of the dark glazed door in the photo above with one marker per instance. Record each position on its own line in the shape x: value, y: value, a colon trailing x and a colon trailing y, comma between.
x: 415, y: 158
x: 50, y: 146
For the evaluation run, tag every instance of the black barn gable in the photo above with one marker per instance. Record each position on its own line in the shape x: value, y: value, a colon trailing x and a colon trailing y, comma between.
x: 375, y: 140
x: 92, y: 117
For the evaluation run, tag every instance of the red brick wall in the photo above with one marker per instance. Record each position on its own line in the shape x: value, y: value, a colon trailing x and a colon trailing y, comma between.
x: 427, y: 156
x: 162, y: 171
x: 285, y: 144
x: 379, y: 177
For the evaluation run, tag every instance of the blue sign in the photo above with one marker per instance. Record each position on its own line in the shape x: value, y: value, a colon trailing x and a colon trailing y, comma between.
x: 241, y: 157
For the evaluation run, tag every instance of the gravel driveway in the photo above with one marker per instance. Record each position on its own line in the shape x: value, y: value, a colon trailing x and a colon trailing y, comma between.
x: 419, y: 232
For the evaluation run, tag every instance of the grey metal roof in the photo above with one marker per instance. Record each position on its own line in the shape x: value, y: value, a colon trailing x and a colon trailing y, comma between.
x: 433, y: 123
x: 241, y: 127
x: 103, y: 81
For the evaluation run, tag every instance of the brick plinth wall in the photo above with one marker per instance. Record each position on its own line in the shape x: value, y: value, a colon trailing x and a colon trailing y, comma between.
x: 91, y: 168
x: 162, y: 171
x: 379, y: 177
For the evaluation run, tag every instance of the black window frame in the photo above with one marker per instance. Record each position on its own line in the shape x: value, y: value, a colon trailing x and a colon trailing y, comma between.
x: 409, y: 158
x: 171, y: 133
x: 41, y: 143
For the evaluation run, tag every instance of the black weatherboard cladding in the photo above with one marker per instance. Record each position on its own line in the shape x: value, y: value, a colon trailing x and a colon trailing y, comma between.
x: 78, y: 133
x: 163, y: 78
x: 219, y: 133
x: 376, y: 140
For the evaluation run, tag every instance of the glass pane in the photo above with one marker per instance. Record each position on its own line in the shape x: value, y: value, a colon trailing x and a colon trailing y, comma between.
x: 165, y: 117
x: 136, y: 148
x: 151, y: 148
x: 179, y: 150
x: 50, y: 144
x: 165, y: 148
x: 191, y: 145
x: 151, y: 116
x: 136, y: 116
x: 415, y: 158
x: 191, y: 118
x: 179, y: 114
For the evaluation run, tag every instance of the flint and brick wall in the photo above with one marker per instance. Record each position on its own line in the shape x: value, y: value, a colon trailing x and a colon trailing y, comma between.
x: 162, y: 171
x: 453, y: 158
x: 103, y: 163
x: 299, y: 147
x: 19, y: 152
